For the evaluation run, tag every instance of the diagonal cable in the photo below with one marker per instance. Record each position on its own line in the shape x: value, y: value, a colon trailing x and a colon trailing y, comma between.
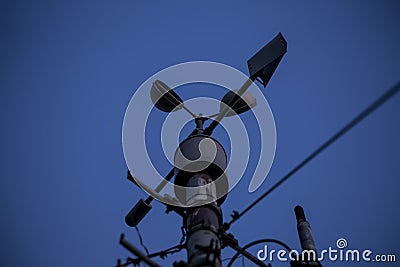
x: 365, y: 113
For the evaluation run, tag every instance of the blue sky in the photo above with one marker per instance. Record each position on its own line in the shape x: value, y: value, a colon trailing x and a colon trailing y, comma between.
x: 69, y: 69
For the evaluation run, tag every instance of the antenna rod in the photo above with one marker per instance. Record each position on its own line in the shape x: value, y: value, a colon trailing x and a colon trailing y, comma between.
x: 309, y: 257
x: 304, y: 230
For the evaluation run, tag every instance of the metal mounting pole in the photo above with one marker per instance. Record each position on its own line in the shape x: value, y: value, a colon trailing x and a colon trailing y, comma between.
x: 202, y: 224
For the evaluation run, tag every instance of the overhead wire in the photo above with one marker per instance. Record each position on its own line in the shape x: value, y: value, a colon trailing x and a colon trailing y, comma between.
x: 356, y: 120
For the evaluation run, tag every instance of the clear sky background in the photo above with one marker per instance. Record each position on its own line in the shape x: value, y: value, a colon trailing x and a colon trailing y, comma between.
x: 69, y: 68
